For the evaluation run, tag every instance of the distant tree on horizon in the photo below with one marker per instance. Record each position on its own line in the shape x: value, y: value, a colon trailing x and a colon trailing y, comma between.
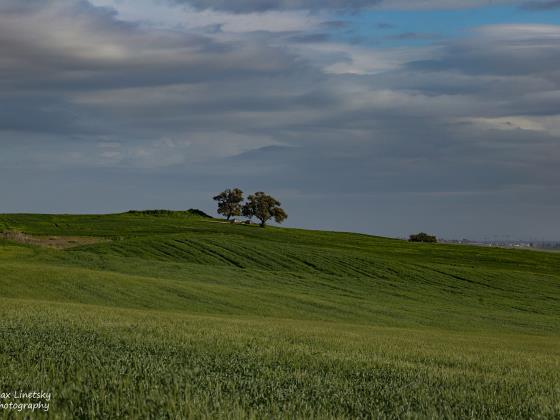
x: 229, y: 202
x: 422, y: 237
x: 264, y: 207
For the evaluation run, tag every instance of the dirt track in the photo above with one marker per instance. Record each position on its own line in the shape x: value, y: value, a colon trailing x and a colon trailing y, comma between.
x: 58, y: 242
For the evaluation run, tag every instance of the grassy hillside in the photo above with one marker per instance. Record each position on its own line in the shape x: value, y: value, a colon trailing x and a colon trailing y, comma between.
x: 180, y: 315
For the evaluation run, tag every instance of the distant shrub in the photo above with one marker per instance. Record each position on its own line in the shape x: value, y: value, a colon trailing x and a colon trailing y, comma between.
x: 175, y: 213
x: 197, y: 212
x: 422, y: 237
x: 151, y: 212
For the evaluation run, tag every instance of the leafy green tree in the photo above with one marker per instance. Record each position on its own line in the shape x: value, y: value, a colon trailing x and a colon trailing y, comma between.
x: 229, y: 202
x: 264, y: 207
x: 248, y: 210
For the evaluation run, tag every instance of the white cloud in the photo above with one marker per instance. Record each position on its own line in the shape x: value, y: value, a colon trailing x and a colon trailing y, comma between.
x: 442, y: 4
x: 519, y: 32
x: 545, y: 124
x: 370, y: 61
x: 164, y: 15
x: 508, y: 123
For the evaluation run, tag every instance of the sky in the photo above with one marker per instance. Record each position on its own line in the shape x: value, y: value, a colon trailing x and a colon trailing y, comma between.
x: 385, y: 117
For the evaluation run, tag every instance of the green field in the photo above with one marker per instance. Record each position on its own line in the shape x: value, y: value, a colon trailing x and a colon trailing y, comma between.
x: 177, y: 315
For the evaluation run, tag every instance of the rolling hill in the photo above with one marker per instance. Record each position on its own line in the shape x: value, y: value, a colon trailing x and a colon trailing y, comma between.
x: 179, y: 315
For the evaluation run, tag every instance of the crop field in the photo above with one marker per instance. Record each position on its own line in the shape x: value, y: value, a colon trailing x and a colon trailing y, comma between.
x: 181, y: 316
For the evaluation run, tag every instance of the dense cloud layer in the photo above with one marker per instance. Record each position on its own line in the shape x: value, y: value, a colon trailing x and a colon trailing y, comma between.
x: 245, y: 6
x: 447, y: 136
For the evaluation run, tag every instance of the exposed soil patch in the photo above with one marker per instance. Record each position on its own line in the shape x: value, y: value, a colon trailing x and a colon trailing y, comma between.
x: 58, y: 242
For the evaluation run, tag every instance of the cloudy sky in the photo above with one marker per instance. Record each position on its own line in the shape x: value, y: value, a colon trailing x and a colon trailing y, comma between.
x: 378, y: 116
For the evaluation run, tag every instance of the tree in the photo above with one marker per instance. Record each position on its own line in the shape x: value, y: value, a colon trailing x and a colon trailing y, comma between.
x: 264, y: 207
x: 229, y: 202
x: 422, y: 237
x: 248, y: 210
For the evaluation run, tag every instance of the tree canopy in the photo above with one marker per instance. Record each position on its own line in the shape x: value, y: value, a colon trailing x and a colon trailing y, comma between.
x: 229, y: 202
x: 264, y: 207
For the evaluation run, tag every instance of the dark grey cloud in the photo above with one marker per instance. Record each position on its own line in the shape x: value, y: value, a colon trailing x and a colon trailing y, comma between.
x: 336, y: 24
x: 96, y: 50
x: 385, y: 25
x: 244, y: 6
x: 311, y: 38
x: 414, y: 36
x: 541, y: 5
